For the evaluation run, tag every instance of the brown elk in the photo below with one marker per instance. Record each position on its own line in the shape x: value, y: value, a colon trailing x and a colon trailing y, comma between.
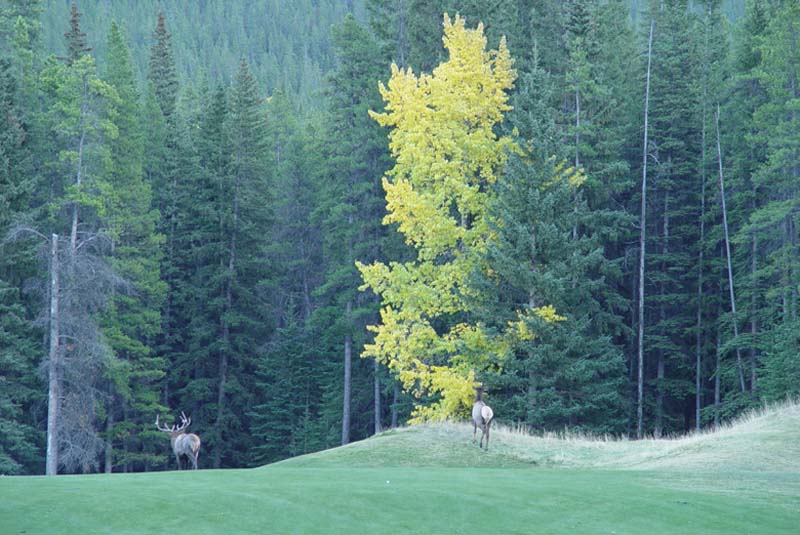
x: 183, y: 444
x: 482, y: 416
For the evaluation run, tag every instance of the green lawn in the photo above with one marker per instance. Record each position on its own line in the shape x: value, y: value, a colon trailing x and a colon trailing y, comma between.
x: 432, y: 480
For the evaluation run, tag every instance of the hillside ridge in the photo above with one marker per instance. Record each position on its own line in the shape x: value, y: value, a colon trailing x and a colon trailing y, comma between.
x: 764, y: 440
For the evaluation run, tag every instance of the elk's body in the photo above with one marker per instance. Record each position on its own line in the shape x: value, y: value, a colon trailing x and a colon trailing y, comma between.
x: 482, y: 416
x: 183, y: 444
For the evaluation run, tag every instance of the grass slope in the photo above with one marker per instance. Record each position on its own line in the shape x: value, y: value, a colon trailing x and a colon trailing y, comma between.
x: 766, y: 440
x: 432, y: 480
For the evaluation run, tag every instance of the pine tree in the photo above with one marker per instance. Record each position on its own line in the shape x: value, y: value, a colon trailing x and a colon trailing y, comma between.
x: 352, y: 201
x: 22, y: 392
x: 247, y: 212
x: 775, y: 222
x: 285, y: 419
x: 79, y: 121
x: 713, y: 63
x: 746, y: 152
x: 167, y: 161
x: 132, y: 320
x: 20, y: 387
x: 15, y: 184
x: 673, y: 151
x: 570, y: 373
x: 76, y: 43
x: 162, y: 72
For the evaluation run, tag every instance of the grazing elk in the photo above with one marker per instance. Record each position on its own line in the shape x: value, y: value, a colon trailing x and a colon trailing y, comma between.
x: 482, y: 416
x: 183, y: 444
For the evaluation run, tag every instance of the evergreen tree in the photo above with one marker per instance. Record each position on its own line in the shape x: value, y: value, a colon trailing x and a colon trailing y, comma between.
x: 169, y: 160
x: 570, y: 373
x: 352, y: 201
x: 775, y: 222
x: 746, y: 151
x: 76, y: 42
x: 79, y: 119
x: 162, y: 72
x: 15, y: 184
x: 20, y: 388
x: 286, y: 419
x: 132, y: 321
x: 247, y: 211
x: 673, y: 234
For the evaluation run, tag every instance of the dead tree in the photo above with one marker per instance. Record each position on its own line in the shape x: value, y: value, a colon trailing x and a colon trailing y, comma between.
x: 77, y: 287
x: 739, y: 367
x: 642, y: 229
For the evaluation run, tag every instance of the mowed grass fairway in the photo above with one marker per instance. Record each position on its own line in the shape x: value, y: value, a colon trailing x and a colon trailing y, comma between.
x: 433, y: 480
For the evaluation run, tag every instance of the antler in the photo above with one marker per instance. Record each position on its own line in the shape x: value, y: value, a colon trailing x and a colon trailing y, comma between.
x: 165, y: 428
x: 185, y: 422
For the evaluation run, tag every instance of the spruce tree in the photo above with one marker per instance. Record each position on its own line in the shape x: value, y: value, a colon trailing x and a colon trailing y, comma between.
x: 673, y: 152
x: 15, y: 184
x: 168, y: 157
x: 775, y: 222
x: 76, y: 42
x: 570, y: 373
x: 162, y: 72
x: 21, y: 442
x: 353, y: 200
x: 80, y: 109
x: 132, y: 320
x: 246, y: 213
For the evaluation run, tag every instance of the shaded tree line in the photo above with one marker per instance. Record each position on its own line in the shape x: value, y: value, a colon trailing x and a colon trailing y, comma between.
x: 189, y: 242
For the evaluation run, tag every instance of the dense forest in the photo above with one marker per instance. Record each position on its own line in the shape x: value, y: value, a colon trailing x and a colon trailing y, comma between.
x: 215, y: 207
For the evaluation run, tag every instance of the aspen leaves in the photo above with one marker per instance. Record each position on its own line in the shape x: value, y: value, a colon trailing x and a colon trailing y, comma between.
x: 447, y: 154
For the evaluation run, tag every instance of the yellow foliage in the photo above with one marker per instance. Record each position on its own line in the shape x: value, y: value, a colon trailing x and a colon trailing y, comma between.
x: 446, y: 155
x: 548, y: 314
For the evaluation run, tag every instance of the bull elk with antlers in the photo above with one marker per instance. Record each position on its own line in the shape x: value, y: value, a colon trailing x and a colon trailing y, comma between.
x: 183, y: 444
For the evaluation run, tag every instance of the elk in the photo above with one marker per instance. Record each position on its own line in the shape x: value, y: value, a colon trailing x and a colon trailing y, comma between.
x: 482, y: 416
x: 183, y: 444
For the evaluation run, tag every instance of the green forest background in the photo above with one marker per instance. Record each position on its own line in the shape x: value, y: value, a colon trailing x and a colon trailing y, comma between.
x: 196, y: 179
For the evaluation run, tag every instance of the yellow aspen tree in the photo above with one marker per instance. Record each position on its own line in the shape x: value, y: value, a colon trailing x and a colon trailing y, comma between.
x: 447, y: 156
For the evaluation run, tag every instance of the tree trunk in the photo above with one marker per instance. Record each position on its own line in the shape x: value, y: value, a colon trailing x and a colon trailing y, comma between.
x: 377, y: 393
x: 395, y: 397
x: 73, y: 237
x: 226, y: 329
x: 698, y: 357
x: 109, y: 453
x: 402, y: 37
x: 577, y: 158
x: 348, y: 358
x: 739, y: 366
x: 716, y: 384
x: 54, y: 367
x: 642, y: 225
x: 753, y: 319
x: 659, y: 423
x: 577, y: 127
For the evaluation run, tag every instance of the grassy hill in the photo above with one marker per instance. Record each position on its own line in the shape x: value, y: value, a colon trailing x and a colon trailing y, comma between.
x: 432, y: 479
x: 766, y: 440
